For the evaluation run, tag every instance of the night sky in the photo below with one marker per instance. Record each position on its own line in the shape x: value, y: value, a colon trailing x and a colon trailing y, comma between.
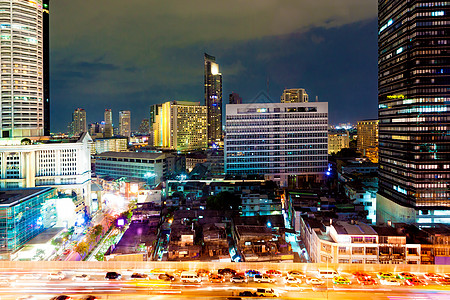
x: 130, y: 54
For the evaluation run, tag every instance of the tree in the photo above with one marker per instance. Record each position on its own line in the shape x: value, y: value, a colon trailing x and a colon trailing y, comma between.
x: 82, y: 248
x: 100, y: 256
x: 97, y: 230
x: 224, y: 201
x: 40, y: 254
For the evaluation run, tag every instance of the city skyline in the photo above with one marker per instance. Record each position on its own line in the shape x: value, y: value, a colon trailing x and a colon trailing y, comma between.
x: 291, y: 56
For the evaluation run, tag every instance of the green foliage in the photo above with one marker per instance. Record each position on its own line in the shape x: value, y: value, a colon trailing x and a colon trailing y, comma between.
x: 224, y: 201
x: 97, y: 230
x: 40, y: 254
x: 100, y: 256
x: 55, y: 242
x: 82, y: 248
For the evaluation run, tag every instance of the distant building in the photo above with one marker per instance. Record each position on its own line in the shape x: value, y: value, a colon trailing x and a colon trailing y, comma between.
x: 144, y: 127
x: 294, y: 96
x: 65, y: 165
x: 125, y: 123
x: 338, y: 141
x: 286, y: 142
x: 108, y: 131
x: 78, y: 125
x: 213, y: 100
x: 235, y: 98
x: 368, y: 139
x: 179, y: 125
x: 135, y: 166
x: 115, y: 144
x: 25, y: 213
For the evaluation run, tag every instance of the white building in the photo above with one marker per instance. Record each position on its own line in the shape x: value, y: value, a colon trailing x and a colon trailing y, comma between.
x: 65, y: 166
x: 280, y: 140
x: 21, y: 69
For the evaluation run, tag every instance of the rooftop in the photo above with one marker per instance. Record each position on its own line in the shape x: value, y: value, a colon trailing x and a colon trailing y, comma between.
x: 12, y: 197
x: 138, y: 155
x: 353, y: 229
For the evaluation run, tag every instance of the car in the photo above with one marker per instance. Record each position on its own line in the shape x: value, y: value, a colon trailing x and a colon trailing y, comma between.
x: 166, y: 277
x: 390, y: 281
x: 274, y: 273
x: 296, y: 274
x: 81, y: 277
x: 341, y: 280
x: 382, y: 275
x: 314, y: 281
x: 247, y: 294
x: 138, y: 276
x: 177, y: 272
x: 366, y: 281
x: 238, y: 278
x: 203, y: 273
x: 266, y: 293
x: 292, y: 280
x: 113, y: 276
x: 415, y: 282
x: 66, y: 251
x: 56, y: 276
x: 433, y: 276
x: 31, y: 276
x: 361, y: 274
x: 252, y: 273
x: 216, y: 278
x: 443, y: 281
x: 263, y: 278
x: 226, y: 271
x: 61, y: 297
x: 406, y: 275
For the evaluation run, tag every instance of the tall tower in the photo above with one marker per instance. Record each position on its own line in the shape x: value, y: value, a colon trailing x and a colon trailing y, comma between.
x: 125, y: 123
x: 108, y: 123
x: 414, y: 111
x: 213, y: 100
x: 21, y: 68
x: 46, y: 62
x: 78, y: 124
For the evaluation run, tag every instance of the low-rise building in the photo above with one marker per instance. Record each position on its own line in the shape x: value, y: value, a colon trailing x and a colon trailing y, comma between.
x: 116, y: 144
x: 338, y: 141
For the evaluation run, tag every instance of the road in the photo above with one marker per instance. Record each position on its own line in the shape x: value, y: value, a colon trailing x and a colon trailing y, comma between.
x: 154, y: 289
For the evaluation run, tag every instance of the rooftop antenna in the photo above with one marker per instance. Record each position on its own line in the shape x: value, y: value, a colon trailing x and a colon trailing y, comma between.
x: 317, y: 98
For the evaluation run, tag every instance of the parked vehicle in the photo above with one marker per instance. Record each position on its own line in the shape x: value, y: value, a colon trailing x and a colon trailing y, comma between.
x: 238, y: 279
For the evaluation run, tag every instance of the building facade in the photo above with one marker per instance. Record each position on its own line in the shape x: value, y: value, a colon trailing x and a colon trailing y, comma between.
x: 65, y: 166
x: 78, y: 124
x: 414, y: 106
x: 22, y: 69
x: 110, y: 144
x: 367, y: 142
x: 294, y: 96
x: 108, y: 131
x: 338, y: 141
x: 125, y: 123
x: 279, y: 140
x: 213, y: 100
x: 46, y: 63
x: 180, y: 125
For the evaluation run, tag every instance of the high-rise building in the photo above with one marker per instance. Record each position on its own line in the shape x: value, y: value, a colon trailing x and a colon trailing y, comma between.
x: 235, y: 98
x: 180, y: 125
x: 286, y: 142
x: 294, y: 96
x: 108, y: 123
x: 46, y: 69
x: 338, y: 141
x: 414, y: 106
x: 213, y: 100
x: 78, y: 125
x: 125, y: 123
x: 144, y: 127
x: 22, y: 69
x: 367, y: 142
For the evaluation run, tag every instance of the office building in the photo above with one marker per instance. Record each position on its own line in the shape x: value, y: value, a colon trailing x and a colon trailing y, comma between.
x: 180, y: 125
x: 65, y: 165
x: 134, y: 166
x: 108, y: 131
x: 235, y: 98
x: 367, y: 141
x: 294, y: 96
x: 25, y: 213
x: 213, y: 100
x: 144, y: 127
x: 46, y: 64
x: 115, y: 144
x: 78, y: 125
x: 125, y: 123
x: 286, y: 142
x: 414, y: 106
x: 338, y: 141
x: 22, y: 69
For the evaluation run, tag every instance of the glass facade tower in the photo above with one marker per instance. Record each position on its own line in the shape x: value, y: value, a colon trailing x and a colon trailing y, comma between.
x: 414, y: 105
x: 213, y: 100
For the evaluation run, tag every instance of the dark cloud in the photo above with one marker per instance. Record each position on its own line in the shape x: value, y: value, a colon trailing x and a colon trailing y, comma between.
x: 130, y: 54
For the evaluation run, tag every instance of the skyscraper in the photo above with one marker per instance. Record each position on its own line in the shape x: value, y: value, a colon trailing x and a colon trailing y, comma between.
x: 213, y: 100
x: 78, y: 124
x: 144, y: 127
x: 368, y: 139
x: 46, y: 62
x: 294, y: 96
x: 414, y: 106
x: 125, y: 123
x: 108, y: 123
x: 22, y: 68
x: 235, y: 98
